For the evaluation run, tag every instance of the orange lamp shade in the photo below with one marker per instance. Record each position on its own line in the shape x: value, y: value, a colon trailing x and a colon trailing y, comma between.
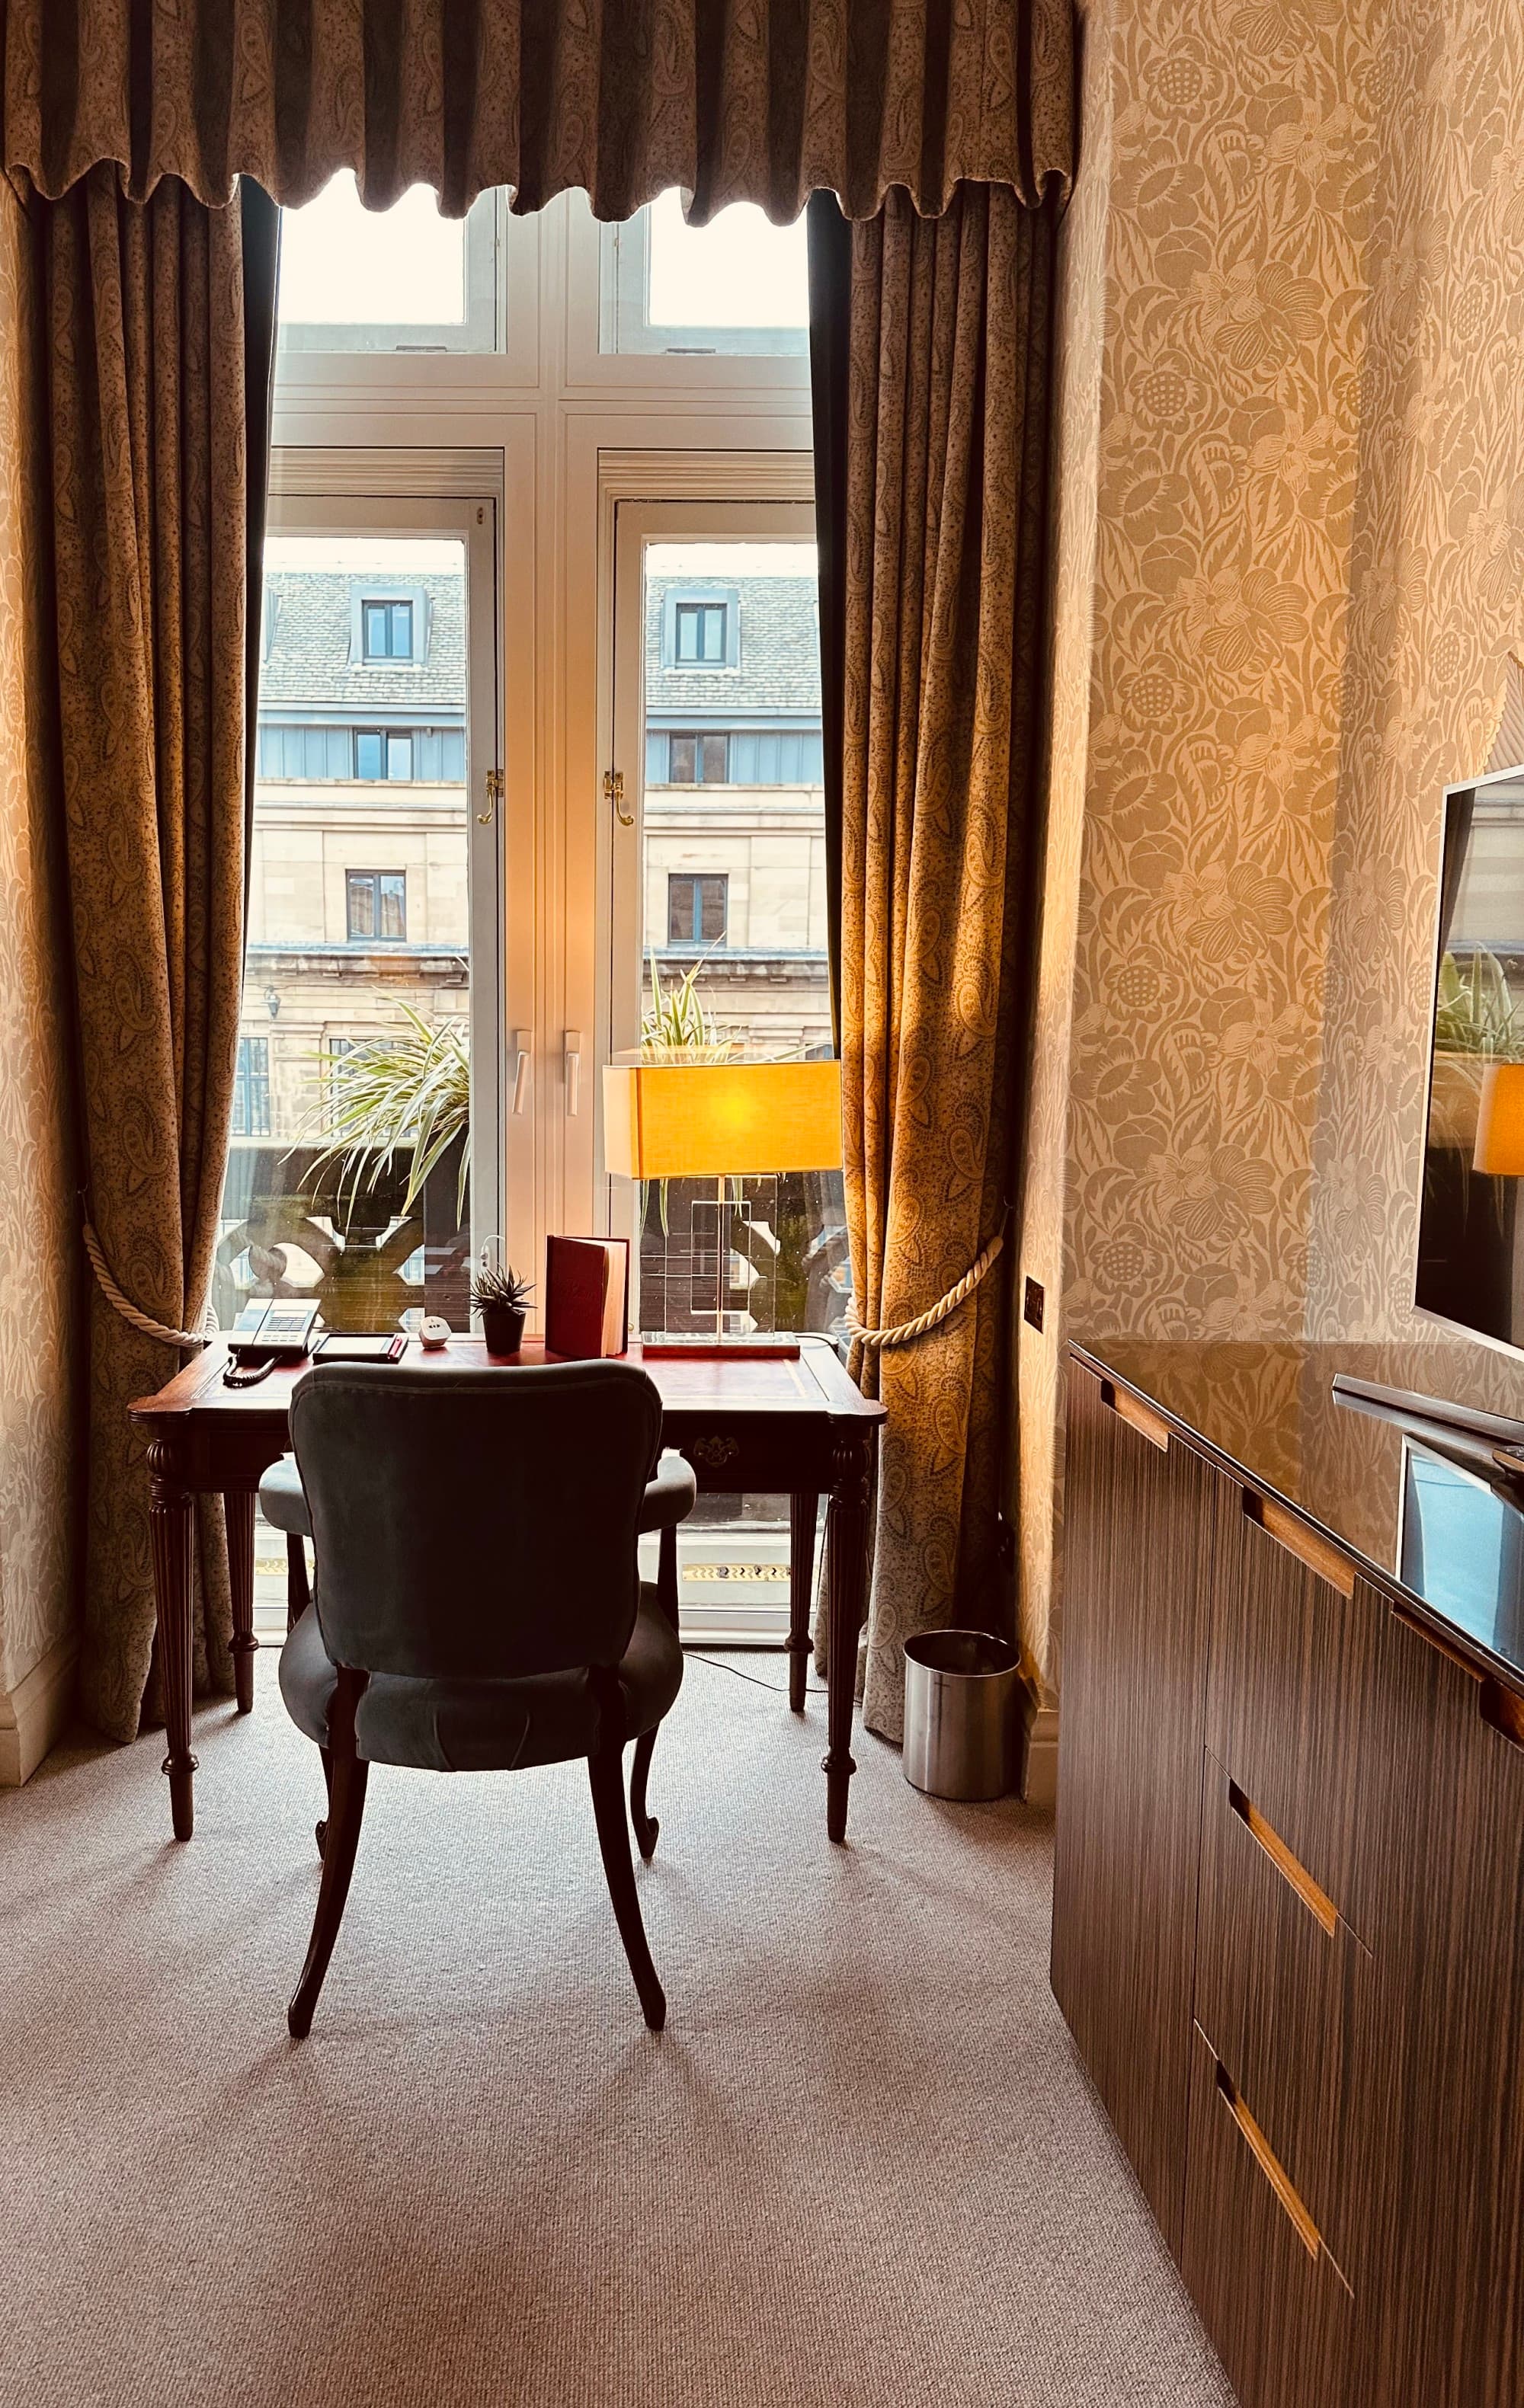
x: 1500, y: 1121
x: 714, y: 1119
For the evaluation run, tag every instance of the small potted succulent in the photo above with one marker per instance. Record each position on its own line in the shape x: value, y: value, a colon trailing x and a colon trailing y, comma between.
x: 501, y: 1296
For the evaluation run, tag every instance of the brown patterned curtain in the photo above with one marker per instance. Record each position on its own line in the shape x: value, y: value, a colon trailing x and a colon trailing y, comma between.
x: 757, y: 100
x: 140, y: 484
x: 946, y: 515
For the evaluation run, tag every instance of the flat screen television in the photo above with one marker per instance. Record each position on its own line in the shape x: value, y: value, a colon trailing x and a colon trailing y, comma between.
x: 1470, y: 1228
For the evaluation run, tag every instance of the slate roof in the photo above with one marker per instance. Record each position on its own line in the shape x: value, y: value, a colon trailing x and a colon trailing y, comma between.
x: 308, y: 656
x: 778, y: 669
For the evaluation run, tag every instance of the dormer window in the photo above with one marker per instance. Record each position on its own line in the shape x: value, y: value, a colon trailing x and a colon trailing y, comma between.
x: 701, y: 634
x: 387, y: 630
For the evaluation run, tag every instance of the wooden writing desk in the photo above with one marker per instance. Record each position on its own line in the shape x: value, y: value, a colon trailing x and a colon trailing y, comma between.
x: 797, y: 1427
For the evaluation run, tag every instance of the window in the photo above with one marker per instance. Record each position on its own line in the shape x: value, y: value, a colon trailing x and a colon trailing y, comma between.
x: 698, y: 908
x: 698, y: 760
x: 699, y: 633
x: 397, y: 279
x: 252, y: 1088
x: 377, y: 904
x: 738, y: 284
x: 387, y: 630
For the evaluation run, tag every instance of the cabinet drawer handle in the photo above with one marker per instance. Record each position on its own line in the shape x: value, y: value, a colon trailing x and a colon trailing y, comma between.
x: 1290, y: 1867
x: 1270, y: 2165
x: 1432, y: 1639
x: 1504, y: 1710
x: 1131, y: 1409
x: 1289, y: 1531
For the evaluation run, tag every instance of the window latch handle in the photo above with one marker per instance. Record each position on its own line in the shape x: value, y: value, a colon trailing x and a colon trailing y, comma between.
x: 495, y: 797
x: 573, y: 1059
x: 614, y: 792
x: 524, y: 1039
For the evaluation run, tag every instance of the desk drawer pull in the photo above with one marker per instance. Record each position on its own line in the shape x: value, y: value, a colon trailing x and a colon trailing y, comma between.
x: 1278, y: 1522
x: 1432, y: 1639
x: 1138, y: 1416
x: 1290, y: 1867
x: 1504, y: 1710
x: 1269, y: 2166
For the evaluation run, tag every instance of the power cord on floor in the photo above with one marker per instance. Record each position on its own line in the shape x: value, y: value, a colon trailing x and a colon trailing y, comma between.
x: 779, y: 1688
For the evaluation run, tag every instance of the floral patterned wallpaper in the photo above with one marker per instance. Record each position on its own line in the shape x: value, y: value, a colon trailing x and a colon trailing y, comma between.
x: 1437, y: 606
x: 1308, y: 576
x: 37, y: 1245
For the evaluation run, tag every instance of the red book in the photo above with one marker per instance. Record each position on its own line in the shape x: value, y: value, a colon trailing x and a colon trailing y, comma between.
x: 587, y: 1296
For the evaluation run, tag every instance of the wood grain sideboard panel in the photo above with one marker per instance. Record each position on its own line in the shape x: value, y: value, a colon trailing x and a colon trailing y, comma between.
x: 1269, y: 2291
x: 1288, y: 2001
x: 1139, y: 1533
x: 1293, y: 1655
x: 1444, y: 2080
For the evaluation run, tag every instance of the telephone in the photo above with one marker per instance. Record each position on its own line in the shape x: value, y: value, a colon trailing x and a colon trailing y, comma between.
x: 270, y: 1330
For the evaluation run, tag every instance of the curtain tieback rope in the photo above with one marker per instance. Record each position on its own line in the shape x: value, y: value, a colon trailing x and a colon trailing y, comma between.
x: 905, y: 1331
x: 129, y: 1312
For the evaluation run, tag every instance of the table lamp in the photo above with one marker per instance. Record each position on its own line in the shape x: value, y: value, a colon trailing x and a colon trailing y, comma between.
x: 1500, y: 1121
x: 668, y: 1118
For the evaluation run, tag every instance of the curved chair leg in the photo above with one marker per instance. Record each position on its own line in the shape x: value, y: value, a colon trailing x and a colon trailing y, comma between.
x: 346, y: 1807
x: 606, y: 1772
x: 646, y: 1826
x: 319, y: 1830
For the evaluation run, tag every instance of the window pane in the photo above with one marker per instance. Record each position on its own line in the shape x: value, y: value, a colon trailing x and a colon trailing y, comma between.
x: 402, y: 631
x: 344, y: 265
x: 688, y: 632
x: 737, y: 272
x: 734, y: 870
x: 328, y: 885
x: 362, y: 903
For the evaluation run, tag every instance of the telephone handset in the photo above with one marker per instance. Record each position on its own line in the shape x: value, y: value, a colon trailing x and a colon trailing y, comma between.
x: 270, y: 1331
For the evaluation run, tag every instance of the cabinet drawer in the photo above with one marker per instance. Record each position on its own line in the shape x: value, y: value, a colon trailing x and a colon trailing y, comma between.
x: 1294, y: 1639
x: 1285, y: 1990
x: 1269, y: 2293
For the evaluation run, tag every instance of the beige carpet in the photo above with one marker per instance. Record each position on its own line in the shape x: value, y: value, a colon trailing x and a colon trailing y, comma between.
x: 861, y: 2165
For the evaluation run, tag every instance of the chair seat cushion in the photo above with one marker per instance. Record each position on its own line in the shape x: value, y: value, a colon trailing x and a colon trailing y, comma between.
x: 283, y: 1500
x: 485, y: 1725
x: 672, y: 1493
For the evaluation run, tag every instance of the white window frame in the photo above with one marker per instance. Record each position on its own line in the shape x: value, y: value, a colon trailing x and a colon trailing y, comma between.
x: 625, y: 328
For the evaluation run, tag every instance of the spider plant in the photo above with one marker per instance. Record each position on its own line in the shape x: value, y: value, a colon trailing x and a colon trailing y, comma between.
x: 1474, y: 1010
x: 410, y: 1086
x: 677, y: 1020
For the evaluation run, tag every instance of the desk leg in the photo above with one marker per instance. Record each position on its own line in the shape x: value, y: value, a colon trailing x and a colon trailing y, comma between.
x: 239, y: 1506
x: 803, y: 1507
x: 847, y: 1562
x: 171, y: 1533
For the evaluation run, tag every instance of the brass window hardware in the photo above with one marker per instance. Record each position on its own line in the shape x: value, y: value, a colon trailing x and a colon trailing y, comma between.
x: 495, y: 797
x: 614, y: 792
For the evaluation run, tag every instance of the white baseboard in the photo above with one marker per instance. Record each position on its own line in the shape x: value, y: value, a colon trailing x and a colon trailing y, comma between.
x: 1040, y: 1750
x: 35, y: 1714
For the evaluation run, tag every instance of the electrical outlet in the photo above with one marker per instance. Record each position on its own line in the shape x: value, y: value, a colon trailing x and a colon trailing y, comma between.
x: 1032, y: 1310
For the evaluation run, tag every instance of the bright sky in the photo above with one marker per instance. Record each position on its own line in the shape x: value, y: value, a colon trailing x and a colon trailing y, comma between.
x: 737, y: 272
x: 391, y: 555
x: 730, y: 560
x: 344, y: 265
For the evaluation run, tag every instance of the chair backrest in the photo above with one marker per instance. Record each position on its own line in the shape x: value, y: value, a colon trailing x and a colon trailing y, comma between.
x: 475, y: 1524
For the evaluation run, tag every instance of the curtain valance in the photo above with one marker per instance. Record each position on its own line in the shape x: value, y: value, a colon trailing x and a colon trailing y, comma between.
x: 757, y: 100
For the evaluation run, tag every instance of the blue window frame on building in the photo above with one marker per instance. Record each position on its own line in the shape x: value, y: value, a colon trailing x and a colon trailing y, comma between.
x: 252, y: 1088
x: 697, y: 908
x: 376, y: 905
x: 699, y: 634
x: 387, y: 630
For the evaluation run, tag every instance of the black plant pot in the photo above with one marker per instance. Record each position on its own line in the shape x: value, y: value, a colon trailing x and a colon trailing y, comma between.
x: 503, y: 1326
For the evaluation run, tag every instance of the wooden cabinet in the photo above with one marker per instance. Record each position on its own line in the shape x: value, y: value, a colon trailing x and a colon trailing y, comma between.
x: 1289, y: 1928
x: 1139, y: 1553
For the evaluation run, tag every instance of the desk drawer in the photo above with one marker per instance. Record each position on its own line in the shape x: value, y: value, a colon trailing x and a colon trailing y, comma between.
x: 1268, y: 2290
x: 1287, y: 1992
x: 1294, y: 1641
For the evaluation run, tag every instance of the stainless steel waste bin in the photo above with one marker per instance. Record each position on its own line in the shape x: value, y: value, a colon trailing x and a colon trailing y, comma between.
x: 961, y: 1707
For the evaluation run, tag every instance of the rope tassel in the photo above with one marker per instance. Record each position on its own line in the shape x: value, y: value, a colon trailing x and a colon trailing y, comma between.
x: 129, y: 1312
x: 905, y: 1331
